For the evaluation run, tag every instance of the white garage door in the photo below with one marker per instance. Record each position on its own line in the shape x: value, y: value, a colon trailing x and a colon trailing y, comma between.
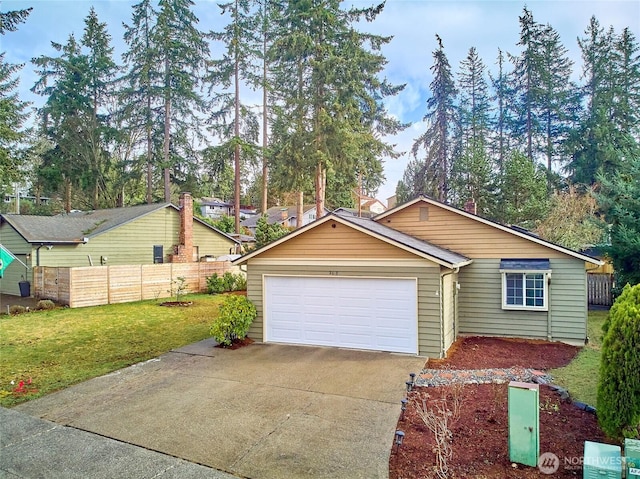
x: 359, y: 313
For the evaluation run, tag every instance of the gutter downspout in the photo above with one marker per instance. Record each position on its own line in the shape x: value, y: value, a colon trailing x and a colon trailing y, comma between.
x: 455, y: 270
x: 549, y: 315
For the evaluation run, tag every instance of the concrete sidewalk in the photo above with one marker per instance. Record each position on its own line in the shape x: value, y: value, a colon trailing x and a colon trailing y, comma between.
x: 34, y: 448
x: 264, y: 411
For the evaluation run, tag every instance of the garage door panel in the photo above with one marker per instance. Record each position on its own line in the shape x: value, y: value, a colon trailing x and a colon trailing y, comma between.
x: 361, y: 313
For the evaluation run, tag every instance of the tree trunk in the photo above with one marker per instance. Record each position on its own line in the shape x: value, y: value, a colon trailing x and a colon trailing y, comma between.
x: 167, y: 134
x: 321, y: 181
x: 265, y: 142
x: 236, y: 132
x: 299, y: 209
x: 67, y: 195
x: 149, y: 152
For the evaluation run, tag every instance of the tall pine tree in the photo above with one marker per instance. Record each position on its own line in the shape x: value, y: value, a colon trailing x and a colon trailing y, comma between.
x: 440, y: 120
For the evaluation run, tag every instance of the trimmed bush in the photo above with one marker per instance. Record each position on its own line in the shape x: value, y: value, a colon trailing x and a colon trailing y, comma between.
x: 45, y: 304
x: 619, y: 387
x: 234, y: 318
x: 227, y: 282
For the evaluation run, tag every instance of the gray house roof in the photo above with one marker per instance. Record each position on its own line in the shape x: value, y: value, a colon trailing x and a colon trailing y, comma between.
x: 275, y: 215
x: 78, y: 227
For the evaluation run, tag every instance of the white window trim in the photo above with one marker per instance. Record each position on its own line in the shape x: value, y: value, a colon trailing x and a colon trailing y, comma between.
x: 524, y: 307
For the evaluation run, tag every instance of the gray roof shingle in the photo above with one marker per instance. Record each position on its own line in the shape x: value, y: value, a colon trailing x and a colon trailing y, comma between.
x: 73, y: 227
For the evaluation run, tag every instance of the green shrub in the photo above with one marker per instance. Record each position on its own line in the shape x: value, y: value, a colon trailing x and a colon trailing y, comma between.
x: 17, y: 309
x: 234, y: 318
x: 227, y: 282
x: 215, y: 284
x: 241, y: 283
x: 619, y: 387
x: 45, y: 304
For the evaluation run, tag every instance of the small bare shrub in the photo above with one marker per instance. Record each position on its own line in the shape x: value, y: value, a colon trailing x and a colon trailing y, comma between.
x: 440, y: 418
x: 45, y: 304
x: 17, y: 309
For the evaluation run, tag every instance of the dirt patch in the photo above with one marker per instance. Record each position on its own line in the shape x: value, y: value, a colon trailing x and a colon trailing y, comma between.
x: 485, y: 352
x: 237, y: 343
x: 479, y: 435
x: 177, y: 304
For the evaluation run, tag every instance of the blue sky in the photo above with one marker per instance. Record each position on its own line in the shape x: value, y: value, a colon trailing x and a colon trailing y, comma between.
x: 484, y: 24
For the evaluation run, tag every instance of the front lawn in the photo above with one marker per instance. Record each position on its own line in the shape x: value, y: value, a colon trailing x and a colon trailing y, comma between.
x: 51, y: 350
x: 581, y: 376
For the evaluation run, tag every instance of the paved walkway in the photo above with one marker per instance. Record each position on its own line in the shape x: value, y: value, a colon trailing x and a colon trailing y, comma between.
x: 264, y: 411
x: 35, y: 448
x: 442, y: 377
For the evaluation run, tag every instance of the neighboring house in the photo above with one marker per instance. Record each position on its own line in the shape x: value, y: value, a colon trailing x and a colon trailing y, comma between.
x: 142, y: 234
x: 342, y: 211
x: 412, y: 279
x: 214, y: 208
x: 283, y: 215
x: 372, y: 204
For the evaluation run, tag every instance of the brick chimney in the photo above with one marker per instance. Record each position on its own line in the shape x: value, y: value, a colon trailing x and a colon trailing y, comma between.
x: 471, y: 207
x: 184, y: 249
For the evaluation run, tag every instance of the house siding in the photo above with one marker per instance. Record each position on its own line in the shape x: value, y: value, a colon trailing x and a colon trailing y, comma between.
x: 480, y: 303
x: 427, y: 274
x: 131, y: 243
x: 15, y: 272
x: 343, y: 241
x: 463, y: 235
x: 449, y: 280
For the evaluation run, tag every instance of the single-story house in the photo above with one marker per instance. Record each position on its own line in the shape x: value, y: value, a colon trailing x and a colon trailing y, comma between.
x: 144, y: 234
x: 412, y: 279
x: 283, y: 215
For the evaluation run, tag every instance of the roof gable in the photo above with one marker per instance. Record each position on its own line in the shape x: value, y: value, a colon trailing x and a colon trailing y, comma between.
x: 445, y: 234
x: 380, y: 232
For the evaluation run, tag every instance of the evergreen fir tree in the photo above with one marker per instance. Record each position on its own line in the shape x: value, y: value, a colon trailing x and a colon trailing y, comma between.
x: 440, y: 118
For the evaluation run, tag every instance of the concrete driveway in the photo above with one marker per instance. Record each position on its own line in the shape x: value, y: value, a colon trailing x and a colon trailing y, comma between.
x: 263, y: 411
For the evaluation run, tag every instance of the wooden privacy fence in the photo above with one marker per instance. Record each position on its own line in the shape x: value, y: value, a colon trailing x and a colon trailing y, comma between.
x: 96, y: 285
x: 599, y: 289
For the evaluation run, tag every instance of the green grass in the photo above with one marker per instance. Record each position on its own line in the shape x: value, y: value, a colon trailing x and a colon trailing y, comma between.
x: 581, y: 376
x: 62, y: 347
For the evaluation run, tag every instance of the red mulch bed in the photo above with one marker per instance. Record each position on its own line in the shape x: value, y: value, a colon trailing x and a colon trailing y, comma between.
x: 237, y: 343
x: 484, y: 352
x: 480, y: 433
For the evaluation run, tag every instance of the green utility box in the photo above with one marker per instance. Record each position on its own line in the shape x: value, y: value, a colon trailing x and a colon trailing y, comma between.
x: 601, y: 461
x: 632, y: 458
x: 524, y: 423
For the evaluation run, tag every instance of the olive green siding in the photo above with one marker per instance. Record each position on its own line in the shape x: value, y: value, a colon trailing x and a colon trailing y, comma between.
x: 130, y: 243
x: 480, y: 303
x: 427, y: 274
x: 15, y: 243
x: 449, y: 307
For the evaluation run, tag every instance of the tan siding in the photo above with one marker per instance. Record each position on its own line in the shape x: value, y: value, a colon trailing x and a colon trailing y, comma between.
x: 429, y: 338
x: 480, y: 303
x: 324, y: 241
x: 464, y: 235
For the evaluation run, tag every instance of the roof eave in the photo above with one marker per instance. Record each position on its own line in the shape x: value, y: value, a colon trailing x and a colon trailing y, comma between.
x: 339, y: 219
